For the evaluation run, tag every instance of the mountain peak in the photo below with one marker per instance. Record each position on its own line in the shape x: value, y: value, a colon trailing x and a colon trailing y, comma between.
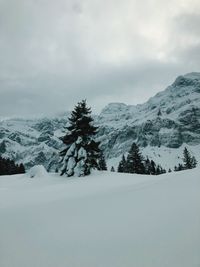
x: 193, y: 75
x: 190, y: 79
x: 114, y: 107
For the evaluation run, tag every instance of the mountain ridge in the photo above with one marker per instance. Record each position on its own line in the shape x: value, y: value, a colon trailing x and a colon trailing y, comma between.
x: 169, y: 119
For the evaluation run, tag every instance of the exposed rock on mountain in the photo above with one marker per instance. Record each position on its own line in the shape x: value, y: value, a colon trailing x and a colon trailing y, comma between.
x: 33, y: 142
x: 170, y: 118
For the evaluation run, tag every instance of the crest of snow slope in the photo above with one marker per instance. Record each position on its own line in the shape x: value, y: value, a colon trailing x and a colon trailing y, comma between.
x: 106, y: 219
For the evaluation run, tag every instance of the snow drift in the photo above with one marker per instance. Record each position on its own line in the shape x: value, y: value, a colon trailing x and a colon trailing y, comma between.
x: 106, y: 219
x: 37, y: 171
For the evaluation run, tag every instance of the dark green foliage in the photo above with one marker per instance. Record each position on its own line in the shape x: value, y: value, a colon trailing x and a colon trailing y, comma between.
x: 189, y: 162
x: 162, y: 171
x: 8, y: 167
x: 152, y: 169
x: 147, y: 165
x: 134, y: 163
x: 112, y: 169
x: 21, y: 168
x: 102, y: 163
x: 81, y: 126
x: 194, y: 162
x: 93, y: 153
x: 175, y: 168
x: 187, y: 159
x: 158, y: 170
x: 122, y: 165
x: 159, y: 112
x: 3, y: 147
x: 180, y: 167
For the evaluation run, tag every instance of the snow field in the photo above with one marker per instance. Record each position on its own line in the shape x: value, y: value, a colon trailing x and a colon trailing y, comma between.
x: 103, y: 220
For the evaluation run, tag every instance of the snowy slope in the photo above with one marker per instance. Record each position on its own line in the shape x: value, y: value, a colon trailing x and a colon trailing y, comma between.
x: 106, y: 219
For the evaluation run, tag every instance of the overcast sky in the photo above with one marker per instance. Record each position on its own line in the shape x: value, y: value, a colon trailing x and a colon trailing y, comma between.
x: 55, y: 53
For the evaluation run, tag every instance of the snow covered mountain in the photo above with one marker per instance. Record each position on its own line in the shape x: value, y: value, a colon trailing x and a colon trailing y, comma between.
x: 161, y: 126
x: 171, y: 118
x: 32, y: 142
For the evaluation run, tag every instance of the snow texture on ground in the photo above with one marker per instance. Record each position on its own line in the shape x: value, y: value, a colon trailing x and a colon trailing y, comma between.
x: 37, y: 171
x: 104, y: 220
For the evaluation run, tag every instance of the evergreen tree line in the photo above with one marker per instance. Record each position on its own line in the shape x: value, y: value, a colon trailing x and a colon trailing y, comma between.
x: 189, y: 162
x: 136, y: 163
x: 8, y: 167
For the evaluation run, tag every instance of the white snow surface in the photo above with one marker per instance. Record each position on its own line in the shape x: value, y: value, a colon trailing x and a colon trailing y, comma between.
x: 103, y: 220
x: 37, y: 171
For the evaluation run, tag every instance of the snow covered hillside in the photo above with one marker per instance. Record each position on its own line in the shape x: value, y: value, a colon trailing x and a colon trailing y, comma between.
x: 32, y: 142
x: 170, y: 119
x: 166, y: 122
x: 165, y: 156
x: 106, y: 219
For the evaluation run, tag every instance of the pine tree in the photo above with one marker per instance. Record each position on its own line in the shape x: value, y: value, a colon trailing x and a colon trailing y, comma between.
x: 163, y: 170
x: 135, y: 160
x: 152, y: 167
x: 147, y: 166
x: 102, y: 163
x: 82, y: 152
x: 194, y: 162
x: 187, y: 159
x: 175, y: 168
x: 180, y: 167
x: 112, y: 169
x: 158, y: 170
x: 159, y: 112
x: 21, y: 168
x: 8, y: 167
x: 122, y: 165
x: 81, y: 124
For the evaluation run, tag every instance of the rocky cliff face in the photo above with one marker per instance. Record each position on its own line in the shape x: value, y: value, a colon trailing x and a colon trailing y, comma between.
x: 170, y: 118
x: 33, y: 142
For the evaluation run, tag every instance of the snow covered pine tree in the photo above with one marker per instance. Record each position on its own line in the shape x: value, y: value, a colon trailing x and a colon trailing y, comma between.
x: 82, y: 152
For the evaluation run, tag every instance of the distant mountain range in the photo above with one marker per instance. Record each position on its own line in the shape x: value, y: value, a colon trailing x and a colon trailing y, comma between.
x: 166, y: 122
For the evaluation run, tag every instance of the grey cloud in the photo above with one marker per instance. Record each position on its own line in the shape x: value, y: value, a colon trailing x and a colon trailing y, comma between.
x: 52, y: 54
x: 188, y: 23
